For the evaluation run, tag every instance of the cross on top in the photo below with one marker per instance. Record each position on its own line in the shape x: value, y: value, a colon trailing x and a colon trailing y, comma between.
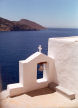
x: 39, y: 48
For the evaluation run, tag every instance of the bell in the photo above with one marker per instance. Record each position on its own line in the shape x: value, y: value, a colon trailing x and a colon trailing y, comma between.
x: 41, y: 67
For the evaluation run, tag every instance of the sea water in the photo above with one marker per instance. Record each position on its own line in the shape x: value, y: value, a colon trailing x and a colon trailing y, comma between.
x: 18, y: 45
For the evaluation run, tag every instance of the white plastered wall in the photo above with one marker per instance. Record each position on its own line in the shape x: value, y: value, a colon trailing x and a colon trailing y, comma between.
x: 65, y: 53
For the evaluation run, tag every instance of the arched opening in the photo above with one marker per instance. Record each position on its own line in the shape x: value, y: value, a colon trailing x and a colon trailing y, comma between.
x: 41, y: 71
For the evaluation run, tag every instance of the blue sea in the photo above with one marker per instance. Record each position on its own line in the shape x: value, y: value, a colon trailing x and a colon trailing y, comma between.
x: 18, y: 45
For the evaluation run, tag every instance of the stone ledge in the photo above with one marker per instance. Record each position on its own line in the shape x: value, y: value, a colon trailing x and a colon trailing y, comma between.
x: 15, y: 89
x: 65, y: 92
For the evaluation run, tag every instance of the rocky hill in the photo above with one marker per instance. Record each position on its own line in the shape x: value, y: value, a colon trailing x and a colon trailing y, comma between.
x: 22, y: 25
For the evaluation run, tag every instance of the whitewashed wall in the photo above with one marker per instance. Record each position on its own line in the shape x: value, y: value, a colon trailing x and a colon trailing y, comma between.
x: 65, y: 53
x: 28, y: 74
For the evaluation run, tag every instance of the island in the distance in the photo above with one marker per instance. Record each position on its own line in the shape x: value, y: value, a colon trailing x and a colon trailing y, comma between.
x: 22, y: 25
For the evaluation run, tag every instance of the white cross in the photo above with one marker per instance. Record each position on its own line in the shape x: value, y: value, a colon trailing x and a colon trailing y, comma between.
x: 39, y: 48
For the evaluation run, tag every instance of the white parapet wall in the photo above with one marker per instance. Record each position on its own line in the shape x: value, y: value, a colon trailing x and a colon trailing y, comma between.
x: 65, y: 53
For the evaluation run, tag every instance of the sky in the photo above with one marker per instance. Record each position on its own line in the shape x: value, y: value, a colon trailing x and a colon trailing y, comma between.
x: 49, y: 13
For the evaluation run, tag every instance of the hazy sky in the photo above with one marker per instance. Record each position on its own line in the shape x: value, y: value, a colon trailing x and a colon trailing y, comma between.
x: 50, y: 13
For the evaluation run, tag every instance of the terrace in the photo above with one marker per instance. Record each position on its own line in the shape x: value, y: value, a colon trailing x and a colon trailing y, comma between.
x: 57, y: 88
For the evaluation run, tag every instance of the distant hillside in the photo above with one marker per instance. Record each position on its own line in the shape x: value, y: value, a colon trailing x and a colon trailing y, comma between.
x: 22, y: 25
